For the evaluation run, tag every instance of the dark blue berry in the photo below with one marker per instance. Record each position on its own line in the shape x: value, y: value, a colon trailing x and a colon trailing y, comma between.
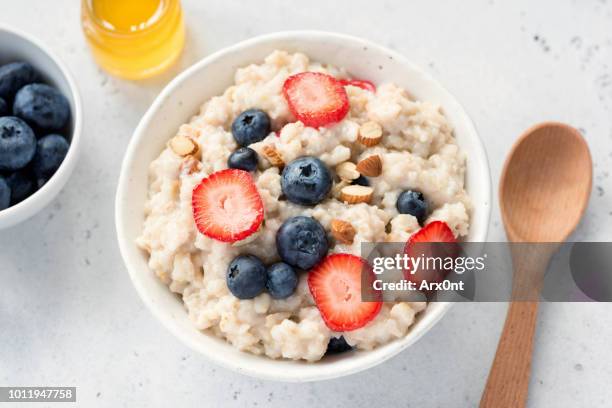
x: 22, y: 185
x: 244, y: 158
x: 301, y: 242
x: 17, y: 143
x: 251, y: 126
x: 50, y: 153
x: 306, y: 181
x: 13, y: 77
x: 246, y: 276
x: 282, y: 280
x: 362, y: 181
x: 3, y: 107
x: 43, y: 106
x: 337, y: 345
x: 5, y: 194
x: 413, y: 203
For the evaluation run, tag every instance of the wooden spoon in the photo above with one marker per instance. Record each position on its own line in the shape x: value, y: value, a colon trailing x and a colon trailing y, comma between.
x: 544, y: 191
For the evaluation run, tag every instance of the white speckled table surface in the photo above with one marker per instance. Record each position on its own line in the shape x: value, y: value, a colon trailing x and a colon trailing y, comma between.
x: 69, y: 314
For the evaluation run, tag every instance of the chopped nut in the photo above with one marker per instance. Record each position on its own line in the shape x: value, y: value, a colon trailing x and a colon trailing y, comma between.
x: 190, y: 165
x: 356, y: 193
x: 371, y: 166
x: 184, y: 146
x: 343, y: 231
x: 347, y: 171
x: 337, y: 188
x: 273, y: 156
x: 370, y: 134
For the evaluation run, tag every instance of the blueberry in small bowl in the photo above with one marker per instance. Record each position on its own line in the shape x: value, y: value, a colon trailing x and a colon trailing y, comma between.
x: 43, y: 106
x: 4, y: 110
x: 22, y: 185
x: 14, y: 76
x: 17, y: 144
x: 50, y: 153
x: 5, y: 194
x: 38, y: 97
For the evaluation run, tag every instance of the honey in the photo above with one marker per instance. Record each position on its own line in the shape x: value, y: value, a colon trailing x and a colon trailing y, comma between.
x: 134, y: 39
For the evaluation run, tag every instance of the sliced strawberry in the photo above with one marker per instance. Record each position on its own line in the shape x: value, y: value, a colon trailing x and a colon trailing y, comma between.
x: 359, y: 83
x: 227, y: 206
x: 316, y: 99
x: 335, y: 285
x: 436, y: 231
x: 435, y: 240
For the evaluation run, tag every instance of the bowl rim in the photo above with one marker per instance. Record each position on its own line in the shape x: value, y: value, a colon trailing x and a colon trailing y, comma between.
x: 126, y: 245
x: 36, y: 202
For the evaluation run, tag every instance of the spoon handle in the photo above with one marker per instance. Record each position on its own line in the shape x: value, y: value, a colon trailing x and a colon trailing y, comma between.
x: 508, y: 381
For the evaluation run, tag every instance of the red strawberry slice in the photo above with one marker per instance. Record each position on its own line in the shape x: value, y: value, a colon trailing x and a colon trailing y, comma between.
x: 436, y: 231
x: 359, y: 83
x: 335, y: 285
x: 435, y: 240
x: 316, y: 99
x: 227, y: 206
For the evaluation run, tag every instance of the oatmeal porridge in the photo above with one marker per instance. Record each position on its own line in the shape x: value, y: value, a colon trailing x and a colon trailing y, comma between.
x: 261, y: 202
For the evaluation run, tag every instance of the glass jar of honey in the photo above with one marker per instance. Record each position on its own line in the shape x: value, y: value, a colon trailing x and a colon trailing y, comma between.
x: 134, y: 39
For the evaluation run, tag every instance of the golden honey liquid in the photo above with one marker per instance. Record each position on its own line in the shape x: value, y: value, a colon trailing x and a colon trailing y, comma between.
x: 134, y: 39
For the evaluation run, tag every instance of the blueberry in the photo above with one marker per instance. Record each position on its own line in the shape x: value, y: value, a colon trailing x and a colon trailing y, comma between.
x: 282, y: 280
x: 5, y: 194
x: 301, y: 242
x: 14, y: 76
x: 22, y: 185
x: 251, y: 126
x: 362, y: 181
x: 50, y: 153
x: 17, y: 143
x: 337, y: 345
x: 3, y: 108
x: 244, y: 158
x: 43, y: 106
x: 246, y: 276
x: 413, y: 203
x: 306, y: 181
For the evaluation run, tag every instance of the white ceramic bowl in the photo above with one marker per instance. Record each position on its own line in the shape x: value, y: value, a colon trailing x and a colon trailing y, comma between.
x: 181, y: 99
x: 18, y: 46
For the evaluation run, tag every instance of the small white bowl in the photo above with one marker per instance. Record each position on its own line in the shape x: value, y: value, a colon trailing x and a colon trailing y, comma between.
x: 181, y: 99
x: 18, y: 46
